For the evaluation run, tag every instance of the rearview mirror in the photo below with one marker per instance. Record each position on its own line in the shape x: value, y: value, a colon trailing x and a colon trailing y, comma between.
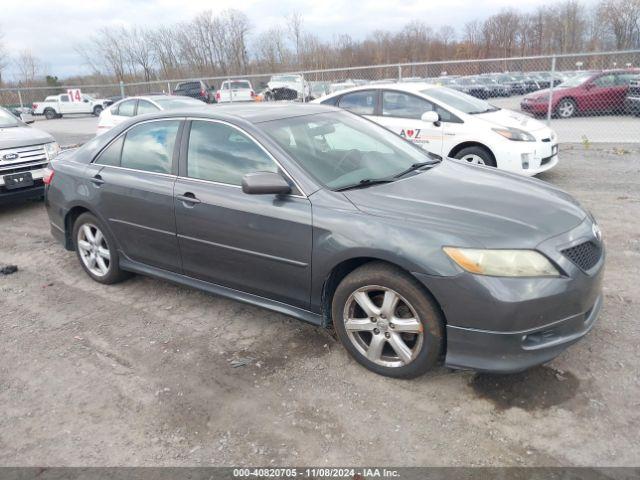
x: 430, y: 117
x: 265, y: 183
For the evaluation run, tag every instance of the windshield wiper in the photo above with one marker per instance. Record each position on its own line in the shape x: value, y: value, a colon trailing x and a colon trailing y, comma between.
x: 367, y: 182
x: 416, y: 166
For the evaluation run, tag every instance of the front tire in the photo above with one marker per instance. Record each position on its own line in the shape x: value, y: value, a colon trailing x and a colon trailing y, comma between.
x: 96, y: 250
x: 387, y: 321
x: 476, y: 155
x: 97, y: 110
x: 566, y: 108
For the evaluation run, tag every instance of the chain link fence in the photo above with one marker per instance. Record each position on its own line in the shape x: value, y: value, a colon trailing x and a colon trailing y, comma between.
x: 587, y: 97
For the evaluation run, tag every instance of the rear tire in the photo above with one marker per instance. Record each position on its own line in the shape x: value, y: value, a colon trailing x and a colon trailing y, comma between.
x: 50, y: 113
x: 97, y: 110
x: 96, y: 250
x: 405, y: 337
x: 476, y: 155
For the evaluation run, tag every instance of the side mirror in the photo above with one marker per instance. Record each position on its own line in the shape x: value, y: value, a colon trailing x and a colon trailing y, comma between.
x: 265, y: 183
x: 430, y: 117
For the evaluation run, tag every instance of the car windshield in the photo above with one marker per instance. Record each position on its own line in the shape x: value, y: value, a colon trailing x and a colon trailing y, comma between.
x: 7, y: 119
x: 178, y: 102
x: 575, y: 81
x: 460, y: 101
x: 342, y: 150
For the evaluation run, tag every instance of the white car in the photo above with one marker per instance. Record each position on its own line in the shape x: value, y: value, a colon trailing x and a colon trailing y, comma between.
x: 132, y: 106
x: 55, y: 106
x: 453, y: 124
x: 287, y: 87
x: 235, y: 91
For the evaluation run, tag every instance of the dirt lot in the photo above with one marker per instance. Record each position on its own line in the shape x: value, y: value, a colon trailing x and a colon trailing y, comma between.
x: 141, y: 373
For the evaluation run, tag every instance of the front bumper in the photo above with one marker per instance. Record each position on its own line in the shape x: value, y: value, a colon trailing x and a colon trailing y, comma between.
x: 527, y: 158
x: 535, y: 108
x: 503, y: 324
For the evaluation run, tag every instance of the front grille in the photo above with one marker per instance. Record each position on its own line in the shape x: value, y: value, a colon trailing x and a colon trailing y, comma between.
x: 584, y: 255
x: 29, y: 158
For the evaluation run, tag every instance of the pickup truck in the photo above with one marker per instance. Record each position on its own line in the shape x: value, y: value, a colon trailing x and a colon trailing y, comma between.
x: 55, y: 106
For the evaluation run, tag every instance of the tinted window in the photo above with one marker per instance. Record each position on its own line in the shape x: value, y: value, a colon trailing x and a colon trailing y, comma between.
x: 188, y: 85
x: 605, y: 80
x: 64, y: 98
x: 362, y: 103
x: 220, y: 153
x: 626, y: 78
x: 149, y: 146
x: 126, y: 109
x: 146, y: 107
x: 238, y: 84
x: 111, y: 154
x: 399, y: 104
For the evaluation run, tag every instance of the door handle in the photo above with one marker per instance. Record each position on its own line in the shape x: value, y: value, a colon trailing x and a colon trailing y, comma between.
x: 188, y: 198
x: 97, y: 180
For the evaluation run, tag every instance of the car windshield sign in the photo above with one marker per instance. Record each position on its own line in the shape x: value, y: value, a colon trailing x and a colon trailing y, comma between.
x: 460, y: 101
x: 342, y: 150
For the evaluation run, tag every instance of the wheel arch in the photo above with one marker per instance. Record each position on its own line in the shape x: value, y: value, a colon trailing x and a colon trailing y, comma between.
x: 345, y: 267
x: 471, y: 143
x: 69, y: 220
x: 567, y: 97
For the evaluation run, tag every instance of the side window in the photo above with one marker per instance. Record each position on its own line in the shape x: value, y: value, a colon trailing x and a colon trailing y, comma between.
x: 446, y: 115
x: 362, y: 102
x: 399, y: 104
x: 330, y: 101
x: 146, y: 107
x: 626, y: 78
x: 126, y: 109
x: 111, y: 154
x: 220, y: 153
x: 64, y: 98
x: 605, y: 80
x: 149, y: 146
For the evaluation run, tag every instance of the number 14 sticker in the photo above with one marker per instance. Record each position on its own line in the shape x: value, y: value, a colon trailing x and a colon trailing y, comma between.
x: 74, y: 94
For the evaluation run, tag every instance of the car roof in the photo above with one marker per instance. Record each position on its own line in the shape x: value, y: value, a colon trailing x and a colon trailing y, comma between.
x: 250, y: 112
x: 414, y: 87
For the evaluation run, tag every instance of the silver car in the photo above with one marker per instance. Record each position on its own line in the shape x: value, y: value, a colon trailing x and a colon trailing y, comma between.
x: 24, y: 153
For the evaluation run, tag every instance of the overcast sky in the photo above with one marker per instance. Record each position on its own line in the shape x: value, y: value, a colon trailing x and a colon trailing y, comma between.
x: 51, y: 28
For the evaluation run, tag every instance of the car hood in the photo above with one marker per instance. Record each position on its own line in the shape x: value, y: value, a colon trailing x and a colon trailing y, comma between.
x: 509, y: 118
x: 15, y: 137
x: 474, y: 206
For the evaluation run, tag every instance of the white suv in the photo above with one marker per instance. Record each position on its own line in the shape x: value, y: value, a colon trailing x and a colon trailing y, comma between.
x: 235, y: 91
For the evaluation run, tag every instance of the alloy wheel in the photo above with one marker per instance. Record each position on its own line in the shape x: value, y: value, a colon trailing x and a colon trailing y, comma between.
x: 383, y: 326
x: 566, y: 109
x: 94, y: 250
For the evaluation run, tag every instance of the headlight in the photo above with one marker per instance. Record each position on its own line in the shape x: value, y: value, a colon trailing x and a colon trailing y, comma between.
x: 502, y: 263
x: 52, y: 149
x: 515, y: 134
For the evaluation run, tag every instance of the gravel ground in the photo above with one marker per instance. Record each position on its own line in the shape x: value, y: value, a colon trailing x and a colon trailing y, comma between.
x: 143, y: 373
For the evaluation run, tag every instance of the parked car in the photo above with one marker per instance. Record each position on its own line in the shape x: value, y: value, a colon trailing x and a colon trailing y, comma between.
x: 287, y: 87
x: 325, y: 216
x: 494, y: 89
x: 632, y: 102
x: 603, y: 91
x: 235, y: 91
x: 55, y: 106
x: 132, y: 106
x: 195, y: 89
x: 450, y: 123
x: 24, y: 153
x: 514, y: 85
x: 470, y: 86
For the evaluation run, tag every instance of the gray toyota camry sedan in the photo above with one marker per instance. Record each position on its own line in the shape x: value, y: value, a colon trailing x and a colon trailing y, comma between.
x: 320, y: 214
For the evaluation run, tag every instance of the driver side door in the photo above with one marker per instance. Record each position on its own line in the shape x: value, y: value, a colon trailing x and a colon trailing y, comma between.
x: 401, y: 113
x: 259, y: 244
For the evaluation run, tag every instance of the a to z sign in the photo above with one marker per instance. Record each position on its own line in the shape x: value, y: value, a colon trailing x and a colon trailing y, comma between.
x: 75, y: 95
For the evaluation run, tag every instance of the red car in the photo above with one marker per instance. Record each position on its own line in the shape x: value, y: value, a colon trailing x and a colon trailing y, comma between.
x: 586, y: 92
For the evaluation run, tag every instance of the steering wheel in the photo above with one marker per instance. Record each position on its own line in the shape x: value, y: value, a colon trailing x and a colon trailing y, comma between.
x: 346, y: 156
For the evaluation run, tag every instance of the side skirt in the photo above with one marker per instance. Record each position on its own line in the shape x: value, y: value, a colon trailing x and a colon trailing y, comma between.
x: 299, y: 313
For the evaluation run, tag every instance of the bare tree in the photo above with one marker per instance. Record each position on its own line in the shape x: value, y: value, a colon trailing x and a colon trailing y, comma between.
x: 623, y: 19
x: 294, y: 25
x: 28, y: 68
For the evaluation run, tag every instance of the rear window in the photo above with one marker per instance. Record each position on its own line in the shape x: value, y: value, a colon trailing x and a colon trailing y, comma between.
x: 240, y: 84
x: 188, y: 85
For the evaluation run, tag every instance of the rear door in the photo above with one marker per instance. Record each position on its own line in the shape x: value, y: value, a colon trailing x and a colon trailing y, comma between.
x: 65, y: 105
x: 133, y: 178
x: 123, y: 111
x: 260, y: 244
